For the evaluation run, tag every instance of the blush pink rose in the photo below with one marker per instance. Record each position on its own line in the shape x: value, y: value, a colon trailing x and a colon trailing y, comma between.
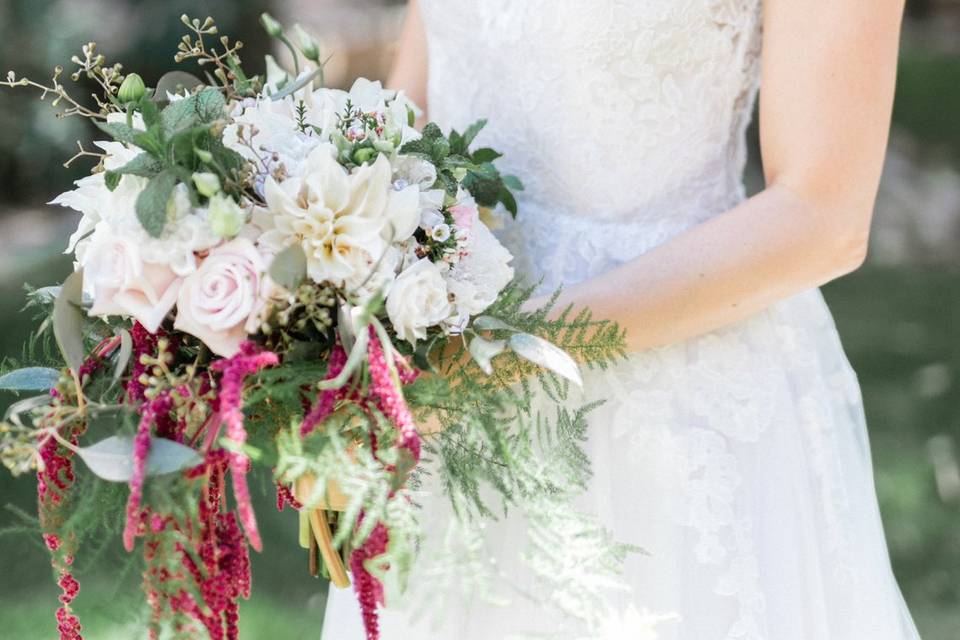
x: 121, y: 283
x: 216, y: 300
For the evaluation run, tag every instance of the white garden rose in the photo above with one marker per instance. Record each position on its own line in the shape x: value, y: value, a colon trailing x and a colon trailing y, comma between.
x: 342, y: 219
x: 376, y: 276
x: 415, y: 170
x: 91, y: 197
x: 184, y: 235
x: 121, y: 283
x: 216, y: 300
x: 481, y: 274
x: 270, y: 133
x: 417, y: 301
x: 369, y: 97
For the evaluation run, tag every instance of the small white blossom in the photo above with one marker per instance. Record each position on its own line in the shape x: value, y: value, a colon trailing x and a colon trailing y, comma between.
x: 441, y: 232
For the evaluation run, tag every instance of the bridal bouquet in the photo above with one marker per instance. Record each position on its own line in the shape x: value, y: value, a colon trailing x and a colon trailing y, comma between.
x: 273, y: 275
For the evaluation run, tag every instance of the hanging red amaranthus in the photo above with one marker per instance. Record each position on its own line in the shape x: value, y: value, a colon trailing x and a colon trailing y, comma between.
x: 54, y: 478
x: 235, y: 370
x: 327, y: 399
x: 386, y: 393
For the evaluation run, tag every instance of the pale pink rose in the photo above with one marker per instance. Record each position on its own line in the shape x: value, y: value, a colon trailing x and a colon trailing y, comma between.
x: 217, y: 300
x: 121, y: 283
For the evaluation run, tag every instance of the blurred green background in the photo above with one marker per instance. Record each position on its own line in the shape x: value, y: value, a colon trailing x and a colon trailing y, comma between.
x: 899, y: 315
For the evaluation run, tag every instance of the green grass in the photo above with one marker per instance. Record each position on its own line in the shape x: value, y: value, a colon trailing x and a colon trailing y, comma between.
x: 31, y: 618
x: 900, y: 331
x: 928, y: 99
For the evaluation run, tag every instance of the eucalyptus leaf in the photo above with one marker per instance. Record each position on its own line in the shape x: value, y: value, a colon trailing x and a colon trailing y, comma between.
x: 152, y: 203
x: 289, y: 267
x: 15, y: 410
x: 547, y: 355
x: 174, y: 82
x: 68, y: 320
x: 293, y: 87
x: 123, y: 355
x: 30, y: 379
x: 483, y: 351
x: 489, y: 323
x: 112, y: 458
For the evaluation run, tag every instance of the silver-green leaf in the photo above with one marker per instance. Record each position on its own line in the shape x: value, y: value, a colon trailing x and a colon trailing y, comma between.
x: 174, y: 82
x: 483, y: 351
x: 30, y: 379
x: 112, y: 458
x: 289, y: 267
x: 547, y: 355
x: 21, y: 407
x: 489, y: 323
x: 68, y: 320
x: 123, y: 355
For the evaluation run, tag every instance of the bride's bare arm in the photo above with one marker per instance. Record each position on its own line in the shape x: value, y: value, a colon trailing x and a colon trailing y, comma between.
x: 409, y: 72
x: 828, y: 84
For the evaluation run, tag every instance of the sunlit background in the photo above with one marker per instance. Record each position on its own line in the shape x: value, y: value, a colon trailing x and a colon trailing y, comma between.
x: 899, y: 316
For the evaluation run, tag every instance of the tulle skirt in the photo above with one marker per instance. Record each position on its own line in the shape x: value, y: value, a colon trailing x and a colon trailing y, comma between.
x: 739, y: 462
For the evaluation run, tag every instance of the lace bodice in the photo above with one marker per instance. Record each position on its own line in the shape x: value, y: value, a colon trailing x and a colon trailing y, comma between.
x: 624, y: 118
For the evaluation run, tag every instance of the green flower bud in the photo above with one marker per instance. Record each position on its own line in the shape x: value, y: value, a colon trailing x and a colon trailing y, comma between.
x: 131, y: 89
x: 226, y: 217
x: 205, y: 156
x: 309, y: 47
x: 364, y: 154
x: 208, y: 184
x: 272, y: 27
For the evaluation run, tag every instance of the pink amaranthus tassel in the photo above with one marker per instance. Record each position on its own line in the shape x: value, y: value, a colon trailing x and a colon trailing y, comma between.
x: 389, y: 396
x: 390, y: 401
x: 235, y: 370
x: 369, y: 589
x: 151, y: 411
x: 326, y: 399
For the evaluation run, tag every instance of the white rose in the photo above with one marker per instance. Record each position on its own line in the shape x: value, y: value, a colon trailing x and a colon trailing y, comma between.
x: 417, y: 300
x: 481, y: 274
x: 415, y: 170
x: 216, y: 300
x: 375, y: 276
x: 121, y: 283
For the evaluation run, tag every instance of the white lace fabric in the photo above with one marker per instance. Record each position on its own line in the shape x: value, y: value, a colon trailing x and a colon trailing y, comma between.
x: 738, y: 460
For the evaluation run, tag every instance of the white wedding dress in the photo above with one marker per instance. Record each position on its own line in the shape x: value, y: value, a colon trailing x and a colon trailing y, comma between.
x: 738, y: 460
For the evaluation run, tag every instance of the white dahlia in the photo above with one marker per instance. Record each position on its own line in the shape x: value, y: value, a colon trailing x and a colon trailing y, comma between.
x: 343, y: 220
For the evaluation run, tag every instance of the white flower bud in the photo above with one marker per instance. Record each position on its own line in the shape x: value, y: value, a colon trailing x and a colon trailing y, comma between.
x: 308, y: 45
x: 225, y: 216
x: 270, y: 25
x: 208, y: 184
